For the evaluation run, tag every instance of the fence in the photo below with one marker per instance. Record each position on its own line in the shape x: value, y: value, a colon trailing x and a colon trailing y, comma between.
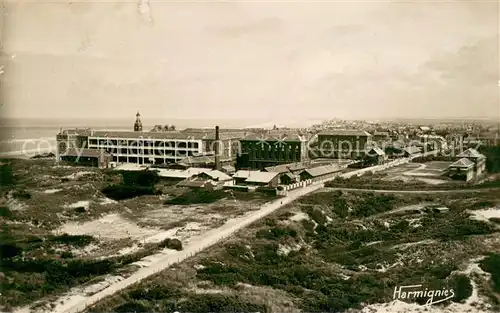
x: 212, y: 237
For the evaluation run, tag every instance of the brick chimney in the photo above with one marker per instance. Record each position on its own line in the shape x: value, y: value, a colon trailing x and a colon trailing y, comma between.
x: 217, y: 149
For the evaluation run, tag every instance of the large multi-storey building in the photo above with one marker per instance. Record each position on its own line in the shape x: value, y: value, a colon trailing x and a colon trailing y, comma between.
x: 351, y: 144
x: 260, y: 151
x: 149, y: 147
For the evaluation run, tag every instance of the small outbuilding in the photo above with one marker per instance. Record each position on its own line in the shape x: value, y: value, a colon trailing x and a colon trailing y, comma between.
x: 462, y: 169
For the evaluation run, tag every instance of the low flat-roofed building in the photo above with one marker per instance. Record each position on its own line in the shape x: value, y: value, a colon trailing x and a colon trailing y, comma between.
x: 87, y: 157
x: 320, y: 172
x: 130, y: 167
x: 293, y: 168
x: 176, y: 174
x: 256, y: 178
x: 198, y: 184
x: 433, y: 142
x: 214, y: 175
x: 213, y: 179
x: 381, y: 137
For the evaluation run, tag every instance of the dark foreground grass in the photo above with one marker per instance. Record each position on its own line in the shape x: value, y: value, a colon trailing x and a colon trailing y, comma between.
x: 171, y: 298
x: 36, y: 266
x: 311, y: 274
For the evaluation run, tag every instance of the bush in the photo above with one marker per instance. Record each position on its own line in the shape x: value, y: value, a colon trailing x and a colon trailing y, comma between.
x: 462, y: 286
x: 174, y: 244
x: 140, y: 178
x: 21, y: 194
x: 460, y: 228
x: 197, y: 197
x: 218, y: 303
x: 491, y: 264
x: 495, y: 220
x: 78, y: 240
x: 285, y: 215
x: 80, y: 209
x: 316, y: 215
x: 374, y: 204
x: 8, y: 251
x: 6, y: 175
x: 275, y: 233
x: 66, y: 255
x: 122, y: 192
x: 6, y: 212
x: 132, y: 307
x: 155, y: 293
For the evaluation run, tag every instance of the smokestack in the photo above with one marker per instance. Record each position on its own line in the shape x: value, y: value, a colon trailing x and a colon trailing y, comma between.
x: 217, y: 149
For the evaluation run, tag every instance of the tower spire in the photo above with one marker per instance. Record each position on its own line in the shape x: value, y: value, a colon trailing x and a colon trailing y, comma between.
x: 138, y: 123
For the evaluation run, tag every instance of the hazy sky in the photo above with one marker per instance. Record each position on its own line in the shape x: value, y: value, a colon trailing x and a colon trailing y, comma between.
x: 250, y: 59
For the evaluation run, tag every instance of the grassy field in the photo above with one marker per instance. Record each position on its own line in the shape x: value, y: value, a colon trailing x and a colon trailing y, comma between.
x: 326, y: 252
x: 59, y: 227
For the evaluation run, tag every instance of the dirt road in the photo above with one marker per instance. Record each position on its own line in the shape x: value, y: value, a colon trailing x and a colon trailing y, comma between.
x: 414, y: 191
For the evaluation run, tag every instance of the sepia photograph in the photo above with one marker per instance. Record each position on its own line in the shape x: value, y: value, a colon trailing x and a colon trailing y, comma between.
x: 249, y: 156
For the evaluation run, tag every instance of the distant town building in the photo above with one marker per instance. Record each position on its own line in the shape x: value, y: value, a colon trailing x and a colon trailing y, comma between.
x: 433, y: 142
x: 351, y: 144
x: 381, y: 137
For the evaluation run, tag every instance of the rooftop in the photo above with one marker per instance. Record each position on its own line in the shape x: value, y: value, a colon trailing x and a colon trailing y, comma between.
x: 266, y: 137
x: 462, y: 163
x: 255, y: 176
x: 412, y: 149
x: 182, y: 174
x: 216, y: 175
x: 323, y: 170
x: 202, y: 159
x: 471, y: 153
x: 376, y: 151
x: 283, y: 168
x: 345, y: 132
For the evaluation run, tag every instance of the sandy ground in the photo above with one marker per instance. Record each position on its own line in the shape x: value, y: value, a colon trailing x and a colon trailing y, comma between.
x: 486, y: 214
x: 430, y: 173
x: 51, y: 191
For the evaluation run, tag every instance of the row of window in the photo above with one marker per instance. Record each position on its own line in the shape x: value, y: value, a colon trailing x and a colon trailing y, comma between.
x: 144, y: 143
x: 275, y: 155
x: 153, y: 152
